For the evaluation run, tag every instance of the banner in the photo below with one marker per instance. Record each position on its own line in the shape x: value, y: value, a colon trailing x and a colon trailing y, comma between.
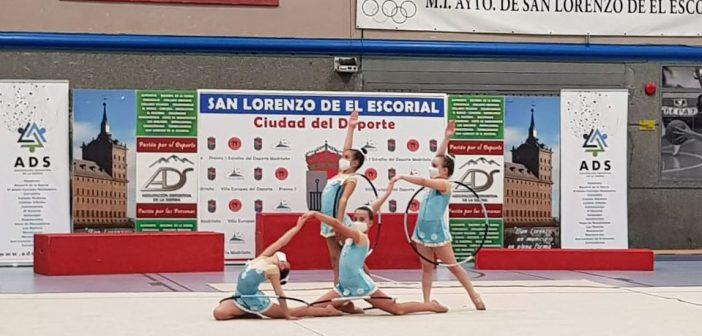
x: 543, y: 17
x: 478, y: 147
x: 273, y: 152
x: 104, y: 160
x: 532, y: 171
x: 594, y: 162
x: 35, y: 193
x: 167, y: 161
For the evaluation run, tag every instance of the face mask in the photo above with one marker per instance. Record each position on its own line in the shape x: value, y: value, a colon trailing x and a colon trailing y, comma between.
x: 360, y: 226
x: 433, y: 172
x: 344, y: 164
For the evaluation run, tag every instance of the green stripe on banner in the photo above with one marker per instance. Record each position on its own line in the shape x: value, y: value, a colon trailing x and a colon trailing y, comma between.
x: 477, y: 117
x: 166, y: 225
x: 467, y: 234
x: 167, y: 113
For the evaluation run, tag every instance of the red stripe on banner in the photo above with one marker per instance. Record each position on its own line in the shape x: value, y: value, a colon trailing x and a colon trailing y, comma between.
x: 206, y: 2
x: 166, y: 210
x: 167, y: 145
x: 474, y: 210
x: 476, y: 148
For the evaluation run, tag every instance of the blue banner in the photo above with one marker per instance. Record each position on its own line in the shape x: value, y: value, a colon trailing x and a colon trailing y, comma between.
x: 381, y: 106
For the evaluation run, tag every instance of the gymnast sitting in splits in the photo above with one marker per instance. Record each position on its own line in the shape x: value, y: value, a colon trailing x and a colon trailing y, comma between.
x: 272, y: 265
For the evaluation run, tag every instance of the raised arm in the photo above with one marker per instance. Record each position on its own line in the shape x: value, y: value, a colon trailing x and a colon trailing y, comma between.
x: 338, y: 227
x: 375, y: 206
x: 284, y: 239
x: 353, y: 121
x: 448, y: 134
x: 441, y: 185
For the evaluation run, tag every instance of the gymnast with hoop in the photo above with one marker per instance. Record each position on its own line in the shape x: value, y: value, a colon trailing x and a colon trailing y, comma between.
x: 272, y: 265
x: 431, y: 234
x: 354, y: 283
x: 338, y: 191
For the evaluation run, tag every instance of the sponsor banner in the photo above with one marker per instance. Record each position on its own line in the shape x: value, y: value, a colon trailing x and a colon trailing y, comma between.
x: 104, y: 160
x: 544, y: 17
x: 532, y: 164
x: 478, y: 149
x: 167, y: 160
x: 594, y: 137
x: 35, y: 165
x: 286, y: 146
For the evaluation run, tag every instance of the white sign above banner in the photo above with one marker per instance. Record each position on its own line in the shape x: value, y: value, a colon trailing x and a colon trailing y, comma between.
x: 541, y: 17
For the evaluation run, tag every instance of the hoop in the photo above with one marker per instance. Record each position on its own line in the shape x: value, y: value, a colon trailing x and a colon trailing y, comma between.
x: 351, y: 298
x: 469, y: 257
x: 234, y: 297
x: 379, y: 215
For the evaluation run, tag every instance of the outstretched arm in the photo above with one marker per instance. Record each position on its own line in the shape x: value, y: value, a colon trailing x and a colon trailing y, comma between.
x: 284, y: 239
x: 338, y: 227
x: 353, y: 121
x: 375, y: 206
x: 440, y: 185
x: 448, y: 134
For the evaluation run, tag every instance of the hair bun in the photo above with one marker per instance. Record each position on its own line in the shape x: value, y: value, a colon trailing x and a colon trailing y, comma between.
x: 364, y: 151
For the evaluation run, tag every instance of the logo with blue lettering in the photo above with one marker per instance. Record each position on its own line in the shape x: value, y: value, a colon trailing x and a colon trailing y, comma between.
x: 595, y: 142
x: 32, y: 137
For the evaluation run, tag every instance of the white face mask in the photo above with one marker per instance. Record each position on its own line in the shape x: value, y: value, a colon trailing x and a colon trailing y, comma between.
x: 433, y: 172
x: 344, y: 164
x: 360, y: 226
x: 282, y: 257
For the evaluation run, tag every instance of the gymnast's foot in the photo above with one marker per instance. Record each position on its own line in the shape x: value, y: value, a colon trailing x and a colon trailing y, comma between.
x: 437, y: 307
x: 478, y: 302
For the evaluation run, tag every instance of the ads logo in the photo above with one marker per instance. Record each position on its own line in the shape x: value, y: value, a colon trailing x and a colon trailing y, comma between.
x: 479, y: 179
x: 595, y: 142
x: 168, y: 178
x: 32, y: 137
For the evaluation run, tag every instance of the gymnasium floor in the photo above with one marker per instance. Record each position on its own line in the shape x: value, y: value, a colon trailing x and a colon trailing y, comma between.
x: 665, y: 302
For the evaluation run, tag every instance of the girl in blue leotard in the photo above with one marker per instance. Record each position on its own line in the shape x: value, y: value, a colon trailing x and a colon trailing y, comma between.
x: 338, y: 191
x: 431, y: 234
x: 353, y: 280
x: 271, y: 265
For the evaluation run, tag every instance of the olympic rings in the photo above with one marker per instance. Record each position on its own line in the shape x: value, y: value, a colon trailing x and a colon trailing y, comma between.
x: 398, y: 11
x: 469, y: 257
